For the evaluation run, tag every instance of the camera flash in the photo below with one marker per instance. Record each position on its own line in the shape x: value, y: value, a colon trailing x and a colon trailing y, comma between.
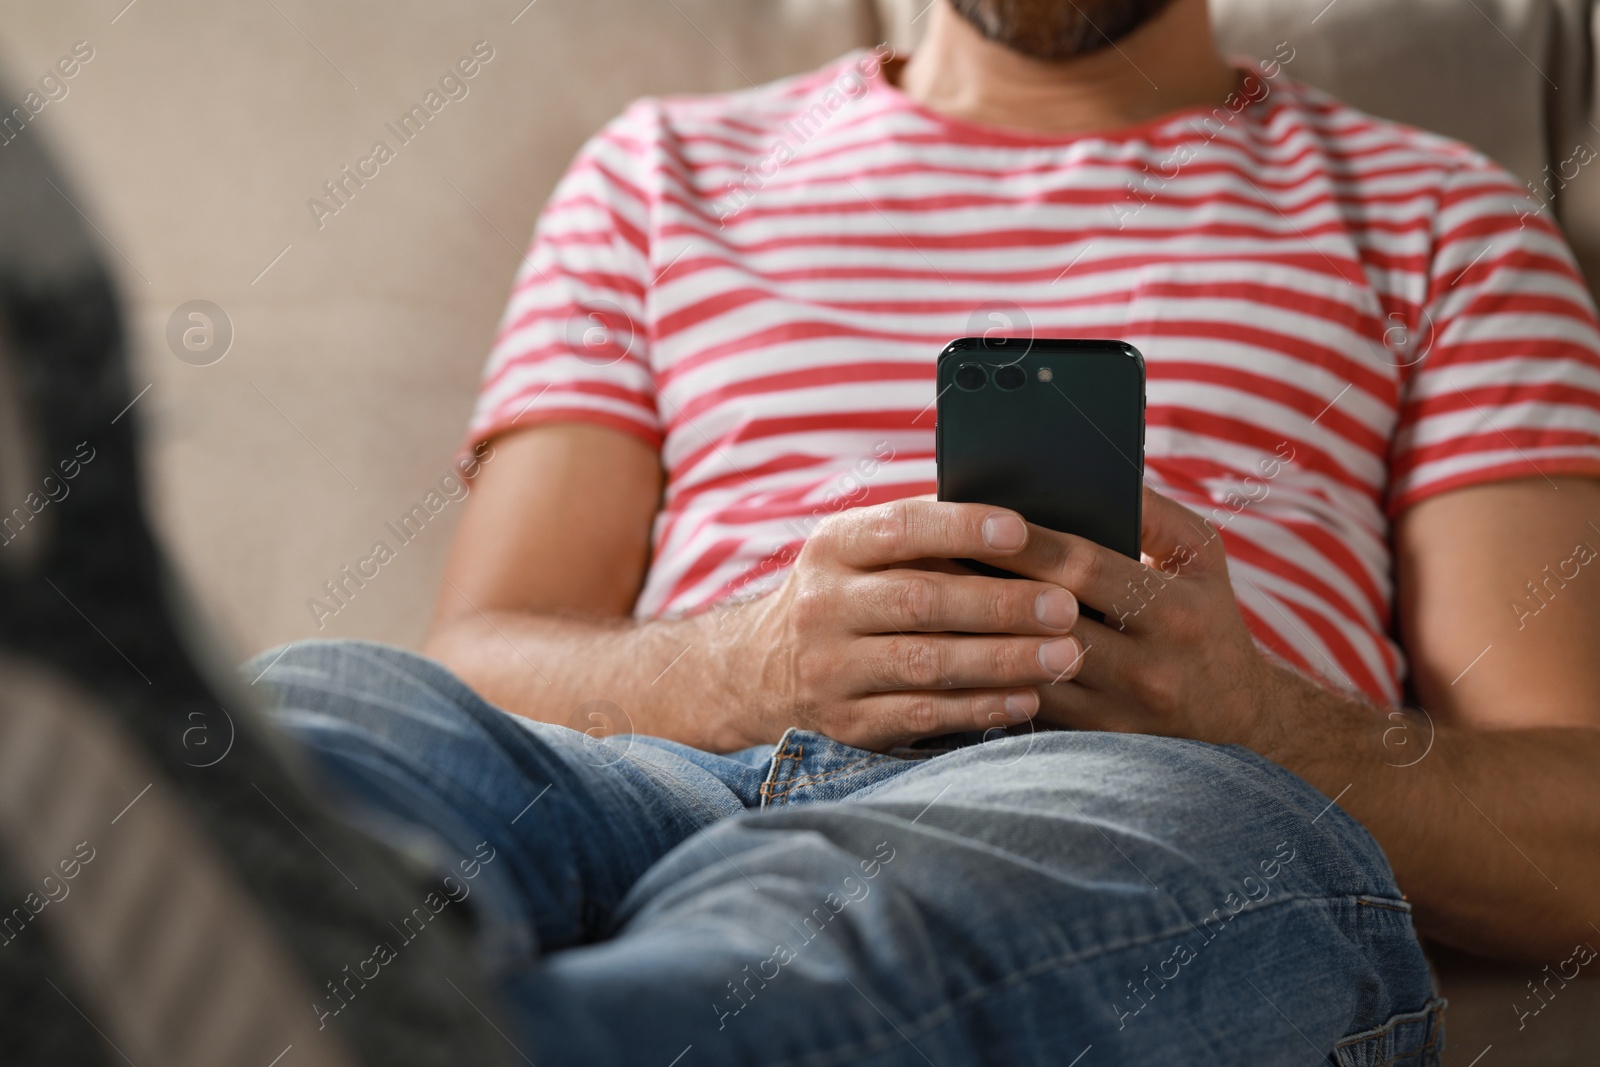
x: 1045, y: 374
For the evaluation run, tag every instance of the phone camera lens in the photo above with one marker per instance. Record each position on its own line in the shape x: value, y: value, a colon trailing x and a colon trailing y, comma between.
x: 1010, y: 376
x: 971, y: 376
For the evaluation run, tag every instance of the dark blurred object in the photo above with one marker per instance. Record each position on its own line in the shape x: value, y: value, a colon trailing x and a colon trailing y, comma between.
x: 157, y: 905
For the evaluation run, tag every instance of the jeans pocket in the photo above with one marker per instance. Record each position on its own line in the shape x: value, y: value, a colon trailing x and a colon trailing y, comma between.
x: 1411, y: 1039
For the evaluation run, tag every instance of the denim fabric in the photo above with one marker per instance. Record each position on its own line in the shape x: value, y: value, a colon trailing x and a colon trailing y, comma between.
x: 1055, y: 898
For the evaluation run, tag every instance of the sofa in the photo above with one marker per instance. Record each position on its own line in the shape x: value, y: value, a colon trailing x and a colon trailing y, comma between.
x: 324, y: 386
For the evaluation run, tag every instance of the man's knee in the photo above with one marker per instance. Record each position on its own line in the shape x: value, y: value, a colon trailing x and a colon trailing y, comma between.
x: 358, y: 687
x: 341, y: 670
x: 330, y: 659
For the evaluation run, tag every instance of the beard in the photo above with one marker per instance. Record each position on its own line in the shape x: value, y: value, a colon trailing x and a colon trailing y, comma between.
x: 1056, y: 29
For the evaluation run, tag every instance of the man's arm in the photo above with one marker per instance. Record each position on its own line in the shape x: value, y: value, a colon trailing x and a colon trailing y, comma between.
x: 544, y: 570
x: 861, y: 641
x: 1494, y: 834
x: 1512, y: 679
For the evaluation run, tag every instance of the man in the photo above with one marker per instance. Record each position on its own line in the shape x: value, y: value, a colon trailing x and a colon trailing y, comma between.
x: 1369, y: 367
x: 702, y: 360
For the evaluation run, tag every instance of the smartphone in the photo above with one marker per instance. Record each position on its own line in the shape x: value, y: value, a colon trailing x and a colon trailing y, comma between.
x: 1052, y: 428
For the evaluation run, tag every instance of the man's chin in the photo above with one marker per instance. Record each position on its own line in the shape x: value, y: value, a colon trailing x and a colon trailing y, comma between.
x: 1056, y: 30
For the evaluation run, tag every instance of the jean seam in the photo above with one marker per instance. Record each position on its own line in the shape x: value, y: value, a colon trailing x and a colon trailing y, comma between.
x: 800, y: 781
x: 782, y: 755
x: 974, y: 997
x: 1386, y: 903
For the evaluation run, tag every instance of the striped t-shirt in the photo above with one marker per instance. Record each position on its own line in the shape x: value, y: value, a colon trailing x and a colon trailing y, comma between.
x: 1340, y: 316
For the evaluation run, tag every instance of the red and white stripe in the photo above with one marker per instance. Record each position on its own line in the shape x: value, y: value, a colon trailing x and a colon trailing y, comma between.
x: 1375, y: 301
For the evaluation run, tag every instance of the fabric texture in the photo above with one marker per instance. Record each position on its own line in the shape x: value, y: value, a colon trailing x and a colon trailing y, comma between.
x: 1340, y: 317
x: 1026, y: 900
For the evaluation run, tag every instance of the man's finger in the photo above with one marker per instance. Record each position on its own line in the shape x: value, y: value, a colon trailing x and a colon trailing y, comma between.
x: 1176, y: 538
x: 906, y: 600
x: 1109, y: 656
x: 913, y: 529
x: 953, y: 661
x: 1077, y: 707
x: 1098, y: 576
x: 885, y: 719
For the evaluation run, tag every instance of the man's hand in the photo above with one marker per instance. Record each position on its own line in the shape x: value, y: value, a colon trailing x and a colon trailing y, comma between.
x: 875, y: 638
x: 1173, y: 656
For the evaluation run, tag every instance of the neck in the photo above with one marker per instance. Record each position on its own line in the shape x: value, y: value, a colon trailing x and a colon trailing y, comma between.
x: 1168, y: 63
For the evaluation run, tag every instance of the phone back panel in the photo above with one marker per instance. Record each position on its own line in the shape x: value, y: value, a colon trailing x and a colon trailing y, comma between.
x: 1064, y: 448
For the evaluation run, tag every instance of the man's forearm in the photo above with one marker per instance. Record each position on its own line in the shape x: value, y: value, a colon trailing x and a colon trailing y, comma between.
x: 1494, y: 835
x: 599, y: 676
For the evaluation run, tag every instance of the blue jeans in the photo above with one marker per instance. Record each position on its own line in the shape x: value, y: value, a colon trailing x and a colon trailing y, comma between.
x: 1058, y: 898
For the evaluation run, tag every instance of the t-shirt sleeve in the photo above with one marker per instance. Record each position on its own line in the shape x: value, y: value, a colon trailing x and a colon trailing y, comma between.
x: 571, y: 347
x: 1504, y: 381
